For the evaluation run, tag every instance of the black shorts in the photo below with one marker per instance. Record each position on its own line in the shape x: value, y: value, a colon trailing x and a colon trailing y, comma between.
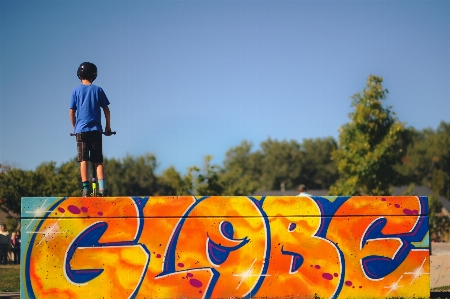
x: 89, y: 145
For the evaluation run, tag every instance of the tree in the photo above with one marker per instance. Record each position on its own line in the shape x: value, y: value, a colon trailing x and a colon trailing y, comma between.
x: 171, y: 183
x: 68, y: 178
x: 14, y: 183
x: 439, y: 223
x: 242, y: 170
x: 427, y: 160
x: 133, y: 176
x: 318, y: 169
x: 206, y: 181
x: 281, y: 164
x: 46, y: 180
x: 368, y: 145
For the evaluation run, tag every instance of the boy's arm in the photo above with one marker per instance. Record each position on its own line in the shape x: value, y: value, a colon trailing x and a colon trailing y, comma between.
x: 72, y: 118
x: 108, y: 120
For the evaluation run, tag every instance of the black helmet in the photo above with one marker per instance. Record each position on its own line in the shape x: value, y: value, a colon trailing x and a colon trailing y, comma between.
x: 88, y: 71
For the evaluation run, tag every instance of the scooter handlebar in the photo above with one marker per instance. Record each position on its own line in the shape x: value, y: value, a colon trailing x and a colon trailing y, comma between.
x: 112, y: 133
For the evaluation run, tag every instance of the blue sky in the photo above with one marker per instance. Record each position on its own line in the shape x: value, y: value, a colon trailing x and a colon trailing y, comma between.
x: 188, y: 79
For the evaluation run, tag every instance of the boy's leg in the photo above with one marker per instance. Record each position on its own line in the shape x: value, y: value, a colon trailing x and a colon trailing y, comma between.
x: 84, y: 171
x: 97, y: 158
x: 83, y: 147
x: 100, y: 171
x: 101, y: 179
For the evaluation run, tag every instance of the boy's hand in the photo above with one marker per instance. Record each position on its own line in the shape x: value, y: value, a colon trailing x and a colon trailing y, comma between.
x: 108, y: 132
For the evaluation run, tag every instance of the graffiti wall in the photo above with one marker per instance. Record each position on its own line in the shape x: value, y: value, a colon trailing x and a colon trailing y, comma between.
x: 223, y: 247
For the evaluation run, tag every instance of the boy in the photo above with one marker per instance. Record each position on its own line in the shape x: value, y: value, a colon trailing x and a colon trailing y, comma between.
x: 85, y: 115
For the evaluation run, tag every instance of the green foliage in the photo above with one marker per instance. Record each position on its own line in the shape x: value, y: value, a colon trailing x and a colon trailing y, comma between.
x: 206, y: 181
x: 279, y: 163
x: 439, y: 228
x: 49, y: 180
x: 171, y: 183
x: 68, y: 179
x: 242, y: 170
x: 427, y: 161
x: 13, y: 185
x: 46, y: 180
x: 131, y: 176
x: 369, y: 145
x: 319, y: 171
x: 11, y: 223
x: 438, y: 222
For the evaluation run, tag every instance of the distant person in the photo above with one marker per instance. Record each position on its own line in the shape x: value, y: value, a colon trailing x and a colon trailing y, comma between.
x: 85, y: 115
x: 4, y: 244
x: 15, y: 245
x: 302, y: 191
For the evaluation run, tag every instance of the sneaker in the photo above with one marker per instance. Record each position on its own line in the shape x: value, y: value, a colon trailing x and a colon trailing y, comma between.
x: 85, y: 193
x: 103, y: 192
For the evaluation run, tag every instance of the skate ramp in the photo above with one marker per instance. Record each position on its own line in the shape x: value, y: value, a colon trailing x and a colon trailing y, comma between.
x: 225, y: 246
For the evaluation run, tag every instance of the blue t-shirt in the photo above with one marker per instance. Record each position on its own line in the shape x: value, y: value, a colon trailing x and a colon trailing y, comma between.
x: 87, y: 101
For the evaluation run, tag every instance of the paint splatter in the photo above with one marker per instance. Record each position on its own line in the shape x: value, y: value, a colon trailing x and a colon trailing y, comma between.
x: 100, y: 214
x: 190, y: 275
x: 73, y: 209
x: 317, y: 266
x: 61, y: 210
x: 181, y: 265
x: 397, y: 205
x: 84, y: 209
x: 383, y: 199
x: 348, y: 283
x: 327, y: 276
x: 158, y: 256
x: 195, y: 283
x: 292, y: 226
x: 410, y: 212
x: 336, y: 275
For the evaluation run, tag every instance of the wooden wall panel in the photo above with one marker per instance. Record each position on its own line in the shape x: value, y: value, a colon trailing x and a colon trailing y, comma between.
x: 223, y: 247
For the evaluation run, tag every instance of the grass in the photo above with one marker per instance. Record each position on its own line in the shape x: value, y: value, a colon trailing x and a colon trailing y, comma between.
x: 441, y: 289
x: 10, y: 278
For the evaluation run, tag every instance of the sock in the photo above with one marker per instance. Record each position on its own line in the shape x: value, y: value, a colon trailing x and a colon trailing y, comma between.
x: 102, y: 184
x: 86, y: 185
